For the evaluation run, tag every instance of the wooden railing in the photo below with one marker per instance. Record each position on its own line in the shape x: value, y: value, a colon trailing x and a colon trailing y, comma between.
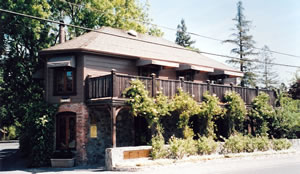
x: 113, y: 85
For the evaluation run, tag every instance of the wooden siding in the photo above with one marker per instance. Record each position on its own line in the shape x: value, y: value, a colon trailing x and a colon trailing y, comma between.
x: 102, y: 65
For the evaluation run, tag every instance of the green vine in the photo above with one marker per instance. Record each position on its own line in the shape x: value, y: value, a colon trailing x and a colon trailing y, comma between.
x: 236, y: 112
x: 186, y: 106
x: 210, y: 110
x: 261, y: 112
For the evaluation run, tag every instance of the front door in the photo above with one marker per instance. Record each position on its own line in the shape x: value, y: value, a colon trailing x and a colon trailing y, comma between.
x: 66, y: 131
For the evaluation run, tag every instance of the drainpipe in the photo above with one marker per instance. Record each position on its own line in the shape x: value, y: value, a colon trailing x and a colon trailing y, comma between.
x: 62, y: 33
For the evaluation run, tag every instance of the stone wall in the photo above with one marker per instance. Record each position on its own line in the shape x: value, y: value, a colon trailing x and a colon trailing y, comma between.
x: 125, y: 133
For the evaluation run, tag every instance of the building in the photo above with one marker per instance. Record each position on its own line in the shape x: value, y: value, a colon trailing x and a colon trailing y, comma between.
x: 92, y: 114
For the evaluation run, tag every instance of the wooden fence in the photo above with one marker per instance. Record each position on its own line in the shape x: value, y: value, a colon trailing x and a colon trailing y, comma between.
x: 113, y: 85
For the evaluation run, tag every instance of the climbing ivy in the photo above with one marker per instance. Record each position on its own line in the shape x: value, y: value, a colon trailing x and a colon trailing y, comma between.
x: 261, y: 113
x: 186, y: 106
x: 210, y: 111
x: 236, y: 112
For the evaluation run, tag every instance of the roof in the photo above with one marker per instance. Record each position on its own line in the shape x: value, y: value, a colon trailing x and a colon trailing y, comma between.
x: 116, y: 41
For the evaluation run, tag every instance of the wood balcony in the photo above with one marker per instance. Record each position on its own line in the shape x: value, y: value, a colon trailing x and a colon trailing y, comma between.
x: 110, y: 88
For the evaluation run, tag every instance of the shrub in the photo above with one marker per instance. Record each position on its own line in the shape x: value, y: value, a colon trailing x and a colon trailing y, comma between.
x: 261, y: 112
x: 179, y: 147
x: 158, y: 147
x: 206, y: 145
x: 281, y: 144
x: 235, y: 144
x: 210, y: 109
x: 261, y: 143
x: 236, y: 112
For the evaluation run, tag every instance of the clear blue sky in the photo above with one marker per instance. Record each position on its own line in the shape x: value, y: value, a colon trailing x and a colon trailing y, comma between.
x: 275, y: 23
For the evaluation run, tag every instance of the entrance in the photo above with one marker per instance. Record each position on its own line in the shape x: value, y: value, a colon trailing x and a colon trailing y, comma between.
x: 66, y: 130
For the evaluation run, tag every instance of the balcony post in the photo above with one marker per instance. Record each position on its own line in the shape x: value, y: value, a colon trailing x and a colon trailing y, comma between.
x: 153, y: 85
x: 114, y: 84
x: 257, y: 90
x: 208, y: 85
x: 181, y: 82
x: 87, y: 86
x: 232, y: 88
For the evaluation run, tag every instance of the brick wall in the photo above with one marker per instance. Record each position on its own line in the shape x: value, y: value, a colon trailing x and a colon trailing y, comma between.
x: 82, y: 118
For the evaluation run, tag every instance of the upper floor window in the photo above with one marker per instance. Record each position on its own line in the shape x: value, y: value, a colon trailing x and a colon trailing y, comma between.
x: 64, y: 81
x: 146, y: 71
x: 188, y: 75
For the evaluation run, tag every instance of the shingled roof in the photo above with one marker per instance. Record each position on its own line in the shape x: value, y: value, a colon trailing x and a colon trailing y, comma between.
x: 108, y: 40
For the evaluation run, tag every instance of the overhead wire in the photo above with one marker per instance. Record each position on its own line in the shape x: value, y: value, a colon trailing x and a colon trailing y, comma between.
x: 182, y: 48
x: 172, y: 29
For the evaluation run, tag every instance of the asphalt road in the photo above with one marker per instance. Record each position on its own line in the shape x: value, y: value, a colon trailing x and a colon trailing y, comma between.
x: 277, y: 164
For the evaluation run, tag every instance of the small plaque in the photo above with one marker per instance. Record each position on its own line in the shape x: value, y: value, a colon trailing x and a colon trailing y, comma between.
x: 93, y: 131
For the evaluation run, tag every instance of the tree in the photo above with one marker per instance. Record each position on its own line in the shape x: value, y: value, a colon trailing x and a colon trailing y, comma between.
x: 244, y: 47
x: 294, y: 90
x: 182, y: 37
x: 268, y: 77
x: 124, y: 14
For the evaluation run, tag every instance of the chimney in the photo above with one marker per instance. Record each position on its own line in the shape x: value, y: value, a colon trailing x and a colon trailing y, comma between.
x: 62, y: 33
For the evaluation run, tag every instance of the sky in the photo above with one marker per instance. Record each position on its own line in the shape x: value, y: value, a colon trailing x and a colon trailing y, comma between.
x: 275, y: 23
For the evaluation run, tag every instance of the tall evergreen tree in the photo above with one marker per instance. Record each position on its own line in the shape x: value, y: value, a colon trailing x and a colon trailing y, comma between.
x: 244, y: 47
x: 268, y: 77
x: 182, y: 37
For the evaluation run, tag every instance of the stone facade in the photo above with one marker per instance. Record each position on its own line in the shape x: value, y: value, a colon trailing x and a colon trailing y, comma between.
x: 125, y: 133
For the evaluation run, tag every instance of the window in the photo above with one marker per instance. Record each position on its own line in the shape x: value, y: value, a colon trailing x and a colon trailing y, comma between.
x: 146, y: 71
x: 187, y: 74
x: 66, y: 131
x: 64, y: 81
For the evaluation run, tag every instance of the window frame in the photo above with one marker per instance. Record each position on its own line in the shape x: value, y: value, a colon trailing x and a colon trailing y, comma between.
x: 55, y: 81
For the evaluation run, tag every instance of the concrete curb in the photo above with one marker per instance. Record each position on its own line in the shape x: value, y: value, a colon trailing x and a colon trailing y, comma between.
x: 138, y: 164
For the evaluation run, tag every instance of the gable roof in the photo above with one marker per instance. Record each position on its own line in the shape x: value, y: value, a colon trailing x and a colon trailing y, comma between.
x: 118, y: 42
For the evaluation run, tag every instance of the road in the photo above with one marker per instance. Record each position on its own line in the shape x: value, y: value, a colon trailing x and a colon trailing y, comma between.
x: 277, y: 164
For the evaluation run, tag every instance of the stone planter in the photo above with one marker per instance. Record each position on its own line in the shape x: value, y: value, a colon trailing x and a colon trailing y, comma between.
x: 63, y: 162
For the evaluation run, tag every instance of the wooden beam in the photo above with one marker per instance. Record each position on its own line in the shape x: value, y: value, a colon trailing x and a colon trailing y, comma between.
x: 114, y: 113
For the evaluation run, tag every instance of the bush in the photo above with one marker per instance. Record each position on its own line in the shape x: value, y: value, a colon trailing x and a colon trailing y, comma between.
x: 235, y: 144
x: 179, y: 147
x: 158, y: 147
x: 36, y: 133
x: 261, y: 143
x: 281, y: 144
x: 206, y: 145
x: 236, y: 112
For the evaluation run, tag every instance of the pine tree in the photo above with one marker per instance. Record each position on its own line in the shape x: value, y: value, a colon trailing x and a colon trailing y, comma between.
x: 182, y: 37
x: 268, y: 77
x: 244, y: 47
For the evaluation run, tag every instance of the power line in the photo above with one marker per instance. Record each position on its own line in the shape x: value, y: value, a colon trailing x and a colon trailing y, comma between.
x: 182, y: 48
x: 172, y: 29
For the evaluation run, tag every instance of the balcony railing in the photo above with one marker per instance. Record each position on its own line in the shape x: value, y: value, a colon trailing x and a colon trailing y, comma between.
x: 113, y: 85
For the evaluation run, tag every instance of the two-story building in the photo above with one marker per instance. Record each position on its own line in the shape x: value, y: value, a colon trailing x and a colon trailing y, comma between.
x: 78, y: 76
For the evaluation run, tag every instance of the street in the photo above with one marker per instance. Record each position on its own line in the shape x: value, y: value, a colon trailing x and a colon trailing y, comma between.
x: 275, y: 164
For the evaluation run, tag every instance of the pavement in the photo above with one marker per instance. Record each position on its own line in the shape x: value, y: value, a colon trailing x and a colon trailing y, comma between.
x: 7, y: 150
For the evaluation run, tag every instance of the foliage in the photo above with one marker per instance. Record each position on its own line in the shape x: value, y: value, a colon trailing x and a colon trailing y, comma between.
x: 236, y: 112
x: 294, y: 90
x: 239, y: 143
x: 206, y: 145
x: 261, y: 113
x: 244, y: 47
x: 210, y: 110
x: 268, y: 77
x: 143, y: 105
x: 281, y: 144
x: 158, y: 147
x: 286, y: 121
x: 37, y: 129
x: 97, y: 13
x: 9, y: 133
x: 179, y: 147
x: 186, y: 106
x: 182, y: 37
